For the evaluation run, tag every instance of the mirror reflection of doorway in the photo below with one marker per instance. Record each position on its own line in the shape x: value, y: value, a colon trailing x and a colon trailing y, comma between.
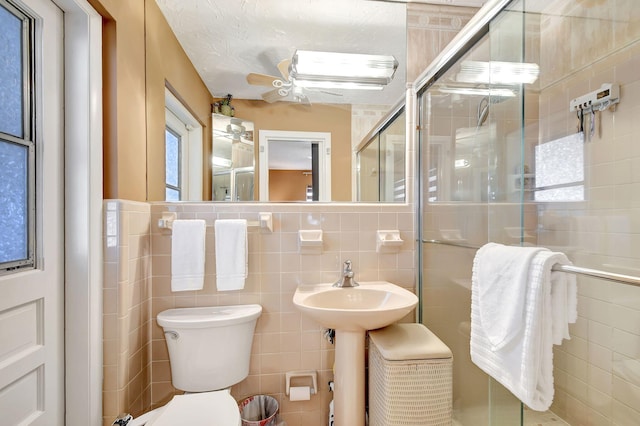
x: 295, y: 166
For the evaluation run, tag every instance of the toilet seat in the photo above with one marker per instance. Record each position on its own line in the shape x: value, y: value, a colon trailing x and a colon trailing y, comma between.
x: 217, y: 408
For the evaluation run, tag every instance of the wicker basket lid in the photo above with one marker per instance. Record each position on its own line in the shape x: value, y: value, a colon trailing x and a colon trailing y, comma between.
x: 400, y: 342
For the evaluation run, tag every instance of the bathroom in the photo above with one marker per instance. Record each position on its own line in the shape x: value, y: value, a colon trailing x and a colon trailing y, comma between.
x: 597, y: 379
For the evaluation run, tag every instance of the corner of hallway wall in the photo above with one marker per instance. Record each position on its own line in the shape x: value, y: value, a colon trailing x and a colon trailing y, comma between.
x: 126, y: 309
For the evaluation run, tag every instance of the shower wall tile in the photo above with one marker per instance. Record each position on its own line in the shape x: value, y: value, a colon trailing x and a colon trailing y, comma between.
x: 601, y: 232
x: 429, y: 29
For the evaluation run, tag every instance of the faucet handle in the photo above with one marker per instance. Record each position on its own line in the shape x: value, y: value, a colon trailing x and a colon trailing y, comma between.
x: 347, y: 266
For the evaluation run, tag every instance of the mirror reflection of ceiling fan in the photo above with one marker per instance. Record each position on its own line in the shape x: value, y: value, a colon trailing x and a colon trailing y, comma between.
x: 284, y: 87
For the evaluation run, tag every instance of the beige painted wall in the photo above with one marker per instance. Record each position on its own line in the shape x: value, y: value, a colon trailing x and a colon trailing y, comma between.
x: 137, y: 43
x: 289, y: 185
x: 124, y: 96
x: 181, y: 77
x: 335, y: 119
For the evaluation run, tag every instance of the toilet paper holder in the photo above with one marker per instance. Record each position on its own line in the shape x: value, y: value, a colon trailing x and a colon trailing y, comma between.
x: 313, y: 375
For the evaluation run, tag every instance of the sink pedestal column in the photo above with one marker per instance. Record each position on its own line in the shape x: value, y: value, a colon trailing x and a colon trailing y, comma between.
x: 348, y: 395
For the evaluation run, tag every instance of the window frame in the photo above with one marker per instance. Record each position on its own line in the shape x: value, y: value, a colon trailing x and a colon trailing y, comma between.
x: 28, y: 138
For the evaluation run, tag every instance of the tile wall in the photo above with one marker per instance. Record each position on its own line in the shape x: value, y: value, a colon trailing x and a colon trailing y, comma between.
x: 126, y: 309
x: 137, y: 373
x: 598, y: 371
x: 430, y: 28
x: 284, y: 340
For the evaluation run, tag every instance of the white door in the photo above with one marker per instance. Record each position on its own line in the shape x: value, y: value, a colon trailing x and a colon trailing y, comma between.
x: 31, y: 301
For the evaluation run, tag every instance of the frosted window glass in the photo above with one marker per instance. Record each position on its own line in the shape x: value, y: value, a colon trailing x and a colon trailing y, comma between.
x: 568, y: 193
x: 560, y: 161
x: 559, y: 164
x: 13, y: 202
x: 172, y: 195
x: 11, y: 74
x: 172, y: 158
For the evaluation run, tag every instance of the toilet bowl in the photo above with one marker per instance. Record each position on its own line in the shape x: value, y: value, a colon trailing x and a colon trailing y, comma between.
x: 209, y: 351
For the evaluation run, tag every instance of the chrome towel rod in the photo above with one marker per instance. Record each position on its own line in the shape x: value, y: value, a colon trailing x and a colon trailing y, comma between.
x: 264, y: 222
x: 610, y: 276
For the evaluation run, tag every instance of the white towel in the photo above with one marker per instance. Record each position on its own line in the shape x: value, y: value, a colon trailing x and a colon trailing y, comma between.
x: 187, y: 254
x: 231, y: 254
x: 524, y: 364
x: 501, y: 297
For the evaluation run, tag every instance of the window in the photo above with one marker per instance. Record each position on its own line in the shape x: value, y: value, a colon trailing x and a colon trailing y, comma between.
x: 560, y: 169
x: 173, y: 161
x: 183, y: 152
x: 17, y: 151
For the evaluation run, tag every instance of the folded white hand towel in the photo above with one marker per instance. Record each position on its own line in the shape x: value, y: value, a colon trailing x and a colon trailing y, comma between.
x: 231, y: 254
x: 502, y: 272
x: 525, y: 364
x: 187, y: 254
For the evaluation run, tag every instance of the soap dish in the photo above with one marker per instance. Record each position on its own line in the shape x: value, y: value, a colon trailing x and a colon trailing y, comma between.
x: 310, y: 240
x: 388, y: 240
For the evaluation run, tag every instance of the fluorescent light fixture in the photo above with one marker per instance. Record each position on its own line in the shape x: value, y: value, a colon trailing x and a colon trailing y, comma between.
x: 308, y: 84
x: 342, y: 70
x: 495, y: 72
x: 478, y: 91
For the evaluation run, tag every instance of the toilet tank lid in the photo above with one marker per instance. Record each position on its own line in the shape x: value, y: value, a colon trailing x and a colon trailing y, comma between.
x: 211, y: 316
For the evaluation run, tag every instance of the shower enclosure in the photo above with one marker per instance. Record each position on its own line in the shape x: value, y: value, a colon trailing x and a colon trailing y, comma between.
x: 505, y: 157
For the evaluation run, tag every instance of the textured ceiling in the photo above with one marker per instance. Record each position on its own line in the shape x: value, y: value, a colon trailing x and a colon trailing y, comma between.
x: 227, y: 39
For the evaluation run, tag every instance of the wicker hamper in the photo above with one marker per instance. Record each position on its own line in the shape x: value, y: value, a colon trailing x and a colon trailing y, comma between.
x: 410, y: 377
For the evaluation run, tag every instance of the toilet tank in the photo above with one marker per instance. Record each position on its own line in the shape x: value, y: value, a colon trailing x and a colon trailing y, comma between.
x: 209, y: 347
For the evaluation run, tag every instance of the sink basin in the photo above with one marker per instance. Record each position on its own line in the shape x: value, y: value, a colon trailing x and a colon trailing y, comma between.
x: 351, y: 312
x: 369, y: 306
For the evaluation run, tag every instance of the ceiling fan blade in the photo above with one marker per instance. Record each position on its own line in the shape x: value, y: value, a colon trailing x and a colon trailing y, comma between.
x: 274, y: 95
x: 283, y: 67
x: 262, y: 80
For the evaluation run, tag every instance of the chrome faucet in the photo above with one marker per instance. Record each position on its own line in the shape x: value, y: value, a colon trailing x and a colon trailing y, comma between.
x: 347, y: 277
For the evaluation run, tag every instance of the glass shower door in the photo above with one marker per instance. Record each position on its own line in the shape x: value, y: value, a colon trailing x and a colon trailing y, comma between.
x: 473, y: 151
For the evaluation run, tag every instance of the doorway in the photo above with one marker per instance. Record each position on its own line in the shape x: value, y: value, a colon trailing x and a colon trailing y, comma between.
x: 301, y: 159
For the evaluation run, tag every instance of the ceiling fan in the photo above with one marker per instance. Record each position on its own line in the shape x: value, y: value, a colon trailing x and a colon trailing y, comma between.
x: 284, y: 87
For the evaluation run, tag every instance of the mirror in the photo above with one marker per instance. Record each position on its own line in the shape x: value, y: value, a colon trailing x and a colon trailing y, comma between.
x: 365, y: 26
x: 381, y: 162
x: 232, y: 159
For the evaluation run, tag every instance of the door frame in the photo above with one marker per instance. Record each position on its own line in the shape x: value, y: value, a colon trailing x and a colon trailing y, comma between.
x: 323, y: 139
x: 83, y: 212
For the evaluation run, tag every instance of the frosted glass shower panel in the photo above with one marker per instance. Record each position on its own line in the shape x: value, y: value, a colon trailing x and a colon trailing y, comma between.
x: 560, y: 169
x: 11, y: 74
x: 14, y: 204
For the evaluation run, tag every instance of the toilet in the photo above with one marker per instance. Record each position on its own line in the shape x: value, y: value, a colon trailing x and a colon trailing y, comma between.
x: 209, y: 351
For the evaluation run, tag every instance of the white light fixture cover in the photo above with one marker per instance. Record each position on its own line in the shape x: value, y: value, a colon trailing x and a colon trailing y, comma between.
x: 342, y: 70
x: 496, y: 72
x: 478, y: 91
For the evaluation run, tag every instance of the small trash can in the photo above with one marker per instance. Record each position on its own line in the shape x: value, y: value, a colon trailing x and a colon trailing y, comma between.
x: 259, y: 410
x: 410, y: 377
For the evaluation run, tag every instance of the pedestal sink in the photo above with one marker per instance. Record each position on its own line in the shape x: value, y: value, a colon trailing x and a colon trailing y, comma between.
x: 351, y: 312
